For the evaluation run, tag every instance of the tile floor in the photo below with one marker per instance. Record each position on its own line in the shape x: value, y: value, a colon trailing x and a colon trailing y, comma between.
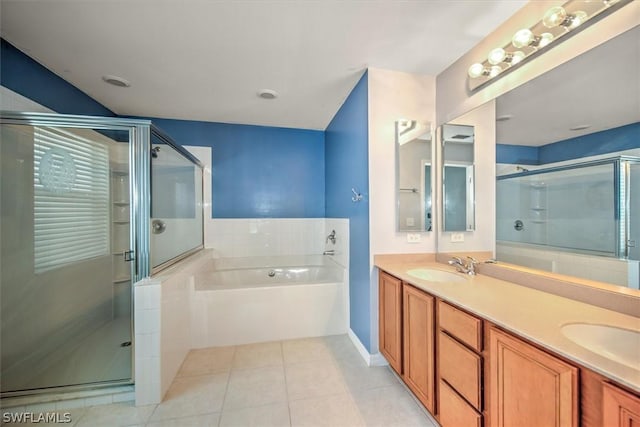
x: 308, y: 382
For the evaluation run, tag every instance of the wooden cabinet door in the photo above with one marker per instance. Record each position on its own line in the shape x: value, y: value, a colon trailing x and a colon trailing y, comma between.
x: 419, y: 354
x: 529, y: 387
x: 390, y: 320
x: 619, y: 408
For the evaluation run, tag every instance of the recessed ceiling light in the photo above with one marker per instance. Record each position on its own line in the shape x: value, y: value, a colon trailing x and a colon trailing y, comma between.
x: 267, y: 94
x: 504, y: 117
x: 116, y: 81
x: 580, y: 127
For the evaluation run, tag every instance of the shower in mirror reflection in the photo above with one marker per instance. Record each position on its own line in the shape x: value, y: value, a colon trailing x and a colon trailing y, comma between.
x: 458, y: 178
x: 413, y: 175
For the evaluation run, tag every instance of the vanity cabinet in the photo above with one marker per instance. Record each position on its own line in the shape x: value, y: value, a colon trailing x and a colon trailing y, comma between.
x: 469, y: 372
x: 418, y: 345
x: 529, y: 387
x: 460, y: 367
x: 390, y: 320
x: 619, y: 408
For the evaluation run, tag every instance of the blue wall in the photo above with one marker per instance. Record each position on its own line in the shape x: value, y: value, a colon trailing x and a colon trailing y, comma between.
x: 346, y: 156
x: 25, y: 76
x: 258, y: 171
x: 607, y: 141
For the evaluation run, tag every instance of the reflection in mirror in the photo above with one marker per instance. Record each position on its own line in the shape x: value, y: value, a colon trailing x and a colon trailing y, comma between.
x: 458, y: 183
x: 568, y: 161
x: 413, y: 175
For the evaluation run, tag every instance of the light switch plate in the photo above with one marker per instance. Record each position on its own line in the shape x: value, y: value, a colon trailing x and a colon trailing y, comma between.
x: 414, y: 238
x: 457, y: 237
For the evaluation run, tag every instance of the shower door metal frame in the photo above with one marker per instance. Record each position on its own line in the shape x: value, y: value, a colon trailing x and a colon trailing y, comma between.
x: 139, y: 213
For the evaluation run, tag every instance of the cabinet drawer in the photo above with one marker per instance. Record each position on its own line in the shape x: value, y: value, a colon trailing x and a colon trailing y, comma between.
x: 461, y: 325
x: 454, y: 411
x: 460, y: 367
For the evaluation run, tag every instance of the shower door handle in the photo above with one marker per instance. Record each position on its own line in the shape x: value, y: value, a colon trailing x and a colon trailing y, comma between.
x: 129, y: 256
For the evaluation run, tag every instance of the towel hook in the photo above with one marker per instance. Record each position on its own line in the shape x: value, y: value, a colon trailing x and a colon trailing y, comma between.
x: 356, y: 196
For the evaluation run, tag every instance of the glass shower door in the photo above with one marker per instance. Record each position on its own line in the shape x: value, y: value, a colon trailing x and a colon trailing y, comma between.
x: 65, y: 285
x: 633, y: 243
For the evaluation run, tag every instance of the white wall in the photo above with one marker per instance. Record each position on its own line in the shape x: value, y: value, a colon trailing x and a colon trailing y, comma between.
x: 483, y: 237
x: 392, y: 95
x: 12, y: 101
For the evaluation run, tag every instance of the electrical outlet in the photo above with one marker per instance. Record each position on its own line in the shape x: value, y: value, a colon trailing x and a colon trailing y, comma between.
x: 410, y: 222
x: 457, y: 237
x: 414, y: 237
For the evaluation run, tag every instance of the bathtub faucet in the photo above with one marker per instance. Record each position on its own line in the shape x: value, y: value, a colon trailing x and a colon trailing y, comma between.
x: 331, y: 237
x: 329, y: 252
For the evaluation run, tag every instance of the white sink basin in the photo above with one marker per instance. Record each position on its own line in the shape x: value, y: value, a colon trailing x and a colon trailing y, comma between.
x: 435, y: 275
x: 617, y: 344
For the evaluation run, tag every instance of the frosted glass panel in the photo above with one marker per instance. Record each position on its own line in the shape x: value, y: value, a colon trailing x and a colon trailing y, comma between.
x: 573, y: 209
x: 66, y: 292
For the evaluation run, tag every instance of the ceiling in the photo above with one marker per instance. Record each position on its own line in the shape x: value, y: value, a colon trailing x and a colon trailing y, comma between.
x: 206, y: 60
x: 599, y: 88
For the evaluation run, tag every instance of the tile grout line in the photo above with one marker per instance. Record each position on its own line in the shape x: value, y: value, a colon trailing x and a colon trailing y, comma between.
x: 286, y: 385
x: 226, y: 389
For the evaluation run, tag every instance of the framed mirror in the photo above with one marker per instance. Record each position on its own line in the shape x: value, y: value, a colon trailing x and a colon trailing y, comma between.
x: 413, y: 176
x: 458, y: 181
x: 568, y: 167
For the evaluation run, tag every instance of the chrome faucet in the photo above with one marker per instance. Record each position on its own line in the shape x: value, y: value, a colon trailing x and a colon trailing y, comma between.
x: 468, y: 268
x: 329, y: 252
x: 332, y: 237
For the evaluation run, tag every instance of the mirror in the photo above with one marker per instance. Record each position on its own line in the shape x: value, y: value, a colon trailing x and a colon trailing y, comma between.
x: 413, y: 176
x: 568, y: 167
x: 458, y: 182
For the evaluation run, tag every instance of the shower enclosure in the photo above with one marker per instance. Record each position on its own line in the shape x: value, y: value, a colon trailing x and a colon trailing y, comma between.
x: 588, y: 208
x: 77, y: 194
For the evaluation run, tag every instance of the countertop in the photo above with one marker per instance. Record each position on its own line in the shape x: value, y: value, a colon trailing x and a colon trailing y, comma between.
x: 534, y: 315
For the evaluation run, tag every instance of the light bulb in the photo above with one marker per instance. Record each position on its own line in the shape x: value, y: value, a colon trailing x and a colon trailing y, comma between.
x: 517, y: 56
x: 545, y: 39
x: 554, y: 17
x: 494, y: 71
x: 496, y: 56
x: 476, y: 70
x: 578, y: 18
x: 522, y: 38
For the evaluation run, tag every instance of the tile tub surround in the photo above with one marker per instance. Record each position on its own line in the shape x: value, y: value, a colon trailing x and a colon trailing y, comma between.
x: 529, y: 313
x: 317, y: 381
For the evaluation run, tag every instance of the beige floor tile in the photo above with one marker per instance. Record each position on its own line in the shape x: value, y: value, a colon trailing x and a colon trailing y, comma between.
x: 118, y: 414
x: 190, y: 396
x: 255, y: 387
x: 359, y: 376
x: 258, y: 355
x: 275, y: 415
x: 339, y: 410
x: 207, y: 420
x: 305, y: 350
x: 341, y: 347
x: 207, y: 361
x: 390, y: 406
x: 314, y: 379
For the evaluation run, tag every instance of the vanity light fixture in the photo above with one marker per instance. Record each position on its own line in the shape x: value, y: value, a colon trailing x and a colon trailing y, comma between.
x: 526, y: 43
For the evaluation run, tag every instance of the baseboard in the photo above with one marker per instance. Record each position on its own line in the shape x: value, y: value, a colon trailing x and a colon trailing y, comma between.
x: 370, y: 359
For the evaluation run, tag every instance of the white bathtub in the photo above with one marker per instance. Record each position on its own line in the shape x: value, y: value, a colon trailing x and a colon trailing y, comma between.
x: 256, y: 299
